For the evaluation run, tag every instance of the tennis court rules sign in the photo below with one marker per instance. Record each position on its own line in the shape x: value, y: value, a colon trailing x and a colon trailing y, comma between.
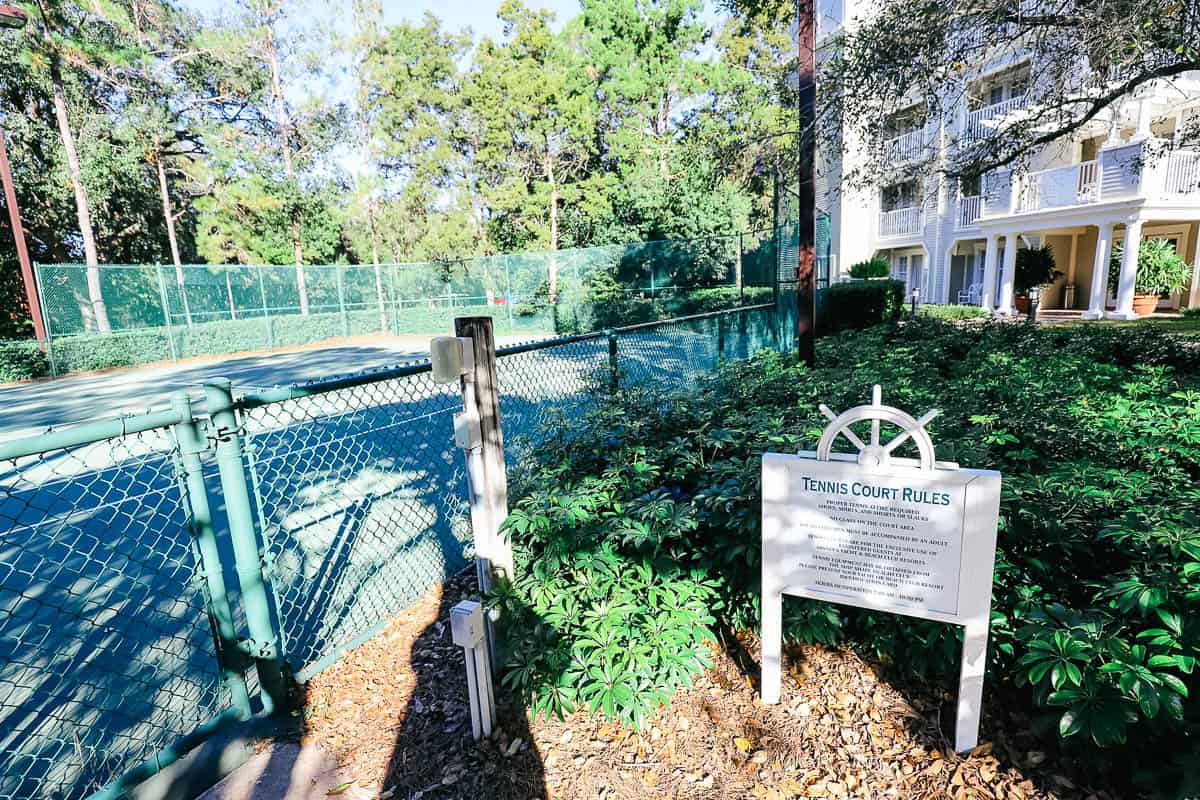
x: 900, y: 535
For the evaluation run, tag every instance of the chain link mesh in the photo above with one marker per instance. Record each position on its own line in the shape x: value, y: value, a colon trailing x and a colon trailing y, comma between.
x: 361, y: 497
x: 106, y: 652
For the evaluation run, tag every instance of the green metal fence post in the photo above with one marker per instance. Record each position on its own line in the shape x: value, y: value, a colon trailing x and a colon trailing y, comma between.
x: 614, y: 374
x: 262, y: 291
x: 37, y: 271
x: 166, y: 309
x: 191, y: 444
x: 248, y: 558
x: 341, y: 290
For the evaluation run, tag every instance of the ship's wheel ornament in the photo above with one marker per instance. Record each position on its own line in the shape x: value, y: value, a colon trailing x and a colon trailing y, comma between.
x: 876, y: 455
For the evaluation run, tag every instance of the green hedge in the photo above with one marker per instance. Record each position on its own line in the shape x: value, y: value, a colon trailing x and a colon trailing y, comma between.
x: 859, y: 304
x: 22, y: 360
x: 951, y: 311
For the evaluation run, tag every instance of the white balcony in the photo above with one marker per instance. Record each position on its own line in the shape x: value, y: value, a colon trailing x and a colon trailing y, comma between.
x: 1073, y: 185
x: 907, y: 147
x: 979, y: 123
x: 970, y: 209
x: 1182, y: 174
x: 901, y: 222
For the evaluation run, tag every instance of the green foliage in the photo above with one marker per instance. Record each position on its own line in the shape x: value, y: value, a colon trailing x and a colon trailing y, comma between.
x: 1035, y: 267
x: 1191, y: 313
x: 951, y: 311
x: 1160, y: 270
x: 856, y: 305
x: 877, y: 267
x: 650, y: 510
x: 22, y: 360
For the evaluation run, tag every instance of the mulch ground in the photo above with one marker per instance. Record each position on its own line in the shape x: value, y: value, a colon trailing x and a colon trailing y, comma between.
x: 394, y: 713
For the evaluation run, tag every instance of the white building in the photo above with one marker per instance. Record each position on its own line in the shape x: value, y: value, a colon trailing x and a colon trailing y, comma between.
x: 1107, y: 184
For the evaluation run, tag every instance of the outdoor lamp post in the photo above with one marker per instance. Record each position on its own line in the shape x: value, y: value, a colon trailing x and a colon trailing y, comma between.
x: 13, y: 18
x: 916, y: 300
x: 1034, y: 293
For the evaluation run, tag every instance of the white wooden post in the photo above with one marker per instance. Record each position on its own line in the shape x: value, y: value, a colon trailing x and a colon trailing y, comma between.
x: 1008, y: 275
x: 987, y: 298
x: 1127, y: 280
x: 1099, y: 292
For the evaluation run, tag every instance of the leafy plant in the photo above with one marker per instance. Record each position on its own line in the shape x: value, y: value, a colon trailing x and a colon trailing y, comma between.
x: 851, y: 306
x: 1035, y: 267
x: 874, y: 268
x: 647, y: 522
x: 1160, y: 270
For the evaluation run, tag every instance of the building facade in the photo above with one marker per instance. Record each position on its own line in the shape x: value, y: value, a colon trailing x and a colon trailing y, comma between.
x: 1126, y: 176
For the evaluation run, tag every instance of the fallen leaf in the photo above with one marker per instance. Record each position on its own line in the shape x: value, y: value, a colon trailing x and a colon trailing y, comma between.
x: 742, y: 743
x: 341, y: 787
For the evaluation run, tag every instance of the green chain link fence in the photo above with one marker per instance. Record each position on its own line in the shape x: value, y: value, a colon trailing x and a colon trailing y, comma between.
x: 161, y: 312
x: 147, y: 563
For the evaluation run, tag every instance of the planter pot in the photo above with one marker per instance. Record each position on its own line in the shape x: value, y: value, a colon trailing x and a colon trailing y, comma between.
x: 1144, y: 304
x: 1021, y: 301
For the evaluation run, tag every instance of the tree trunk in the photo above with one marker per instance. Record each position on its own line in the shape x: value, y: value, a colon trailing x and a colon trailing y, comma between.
x: 170, y: 220
x: 82, y: 211
x: 548, y: 167
x: 285, y: 137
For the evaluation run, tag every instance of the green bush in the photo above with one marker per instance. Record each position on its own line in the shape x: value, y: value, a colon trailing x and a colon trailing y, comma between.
x: 1035, y: 267
x: 1191, y: 313
x: 951, y: 311
x: 861, y: 304
x: 22, y: 360
x: 636, y: 532
x: 877, y: 267
x: 1160, y: 270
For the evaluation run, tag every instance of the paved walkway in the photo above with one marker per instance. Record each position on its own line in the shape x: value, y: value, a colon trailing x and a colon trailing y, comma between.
x: 287, y: 771
x: 28, y: 408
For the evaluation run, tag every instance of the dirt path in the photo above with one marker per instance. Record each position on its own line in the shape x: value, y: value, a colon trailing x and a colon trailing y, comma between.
x: 394, y: 715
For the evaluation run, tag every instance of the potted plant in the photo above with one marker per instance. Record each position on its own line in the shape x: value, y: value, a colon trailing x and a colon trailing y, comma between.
x: 1160, y: 271
x: 873, y: 269
x: 1035, y: 267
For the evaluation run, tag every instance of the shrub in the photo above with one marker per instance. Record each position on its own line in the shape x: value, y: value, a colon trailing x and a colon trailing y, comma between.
x: 22, y: 360
x: 635, y: 533
x: 874, y: 268
x: 1035, y: 267
x: 951, y: 311
x: 1160, y: 270
x: 853, y: 306
x: 1192, y: 313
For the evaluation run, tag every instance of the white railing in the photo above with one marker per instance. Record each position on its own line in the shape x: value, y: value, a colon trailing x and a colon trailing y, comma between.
x: 1077, y: 184
x: 900, y: 222
x: 970, y: 209
x: 907, y: 147
x: 976, y: 127
x: 1182, y: 175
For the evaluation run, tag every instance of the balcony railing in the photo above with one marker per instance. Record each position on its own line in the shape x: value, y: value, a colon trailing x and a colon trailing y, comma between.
x: 1182, y: 175
x: 970, y: 209
x: 900, y: 222
x: 976, y: 126
x: 907, y: 147
x: 1077, y: 184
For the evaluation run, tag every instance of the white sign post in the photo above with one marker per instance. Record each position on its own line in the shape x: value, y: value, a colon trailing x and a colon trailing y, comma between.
x: 907, y: 536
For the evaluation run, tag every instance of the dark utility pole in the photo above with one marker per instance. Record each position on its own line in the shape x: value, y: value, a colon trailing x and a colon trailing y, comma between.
x: 806, y: 113
x: 14, y: 18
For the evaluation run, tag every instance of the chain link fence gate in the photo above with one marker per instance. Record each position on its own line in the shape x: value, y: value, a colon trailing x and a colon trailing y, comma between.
x: 133, y: 596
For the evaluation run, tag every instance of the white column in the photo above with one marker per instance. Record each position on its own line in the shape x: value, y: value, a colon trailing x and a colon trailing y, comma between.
x: 986, y: 299
x: 1100, y: 271
x: 1008, y: 275
x: 1129, y: 259
x: 1143, y: 121
x: 1194, y: 295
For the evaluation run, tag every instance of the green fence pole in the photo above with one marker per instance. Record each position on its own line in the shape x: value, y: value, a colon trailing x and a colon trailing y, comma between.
x: 166, y: 309
x: 262, y: 291
x: 263, y: 645
x: 191, y: 444
x: 341, y: 290
x: 614, y: 374
x: 37, y: 271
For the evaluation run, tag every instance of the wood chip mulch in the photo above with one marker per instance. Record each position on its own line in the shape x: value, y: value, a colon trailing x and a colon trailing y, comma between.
x: 394, y: 714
